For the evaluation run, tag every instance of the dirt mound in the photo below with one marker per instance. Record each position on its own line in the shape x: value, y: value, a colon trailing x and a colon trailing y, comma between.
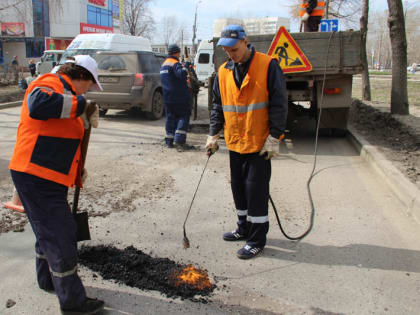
x: 12, y: 221
x: 134, y: 268
x: 11, y: 94
x: 397, y: 136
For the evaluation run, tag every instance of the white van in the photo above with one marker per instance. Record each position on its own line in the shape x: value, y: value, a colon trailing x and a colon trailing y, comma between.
x: 203, y: 61
x: 89, y: 44
x: 49, y: 59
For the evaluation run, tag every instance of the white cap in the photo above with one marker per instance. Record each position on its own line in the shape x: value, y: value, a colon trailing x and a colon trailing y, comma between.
x: 90, y: 65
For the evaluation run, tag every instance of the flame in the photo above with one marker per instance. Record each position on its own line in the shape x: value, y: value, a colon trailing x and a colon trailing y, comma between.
x: 197, y: 278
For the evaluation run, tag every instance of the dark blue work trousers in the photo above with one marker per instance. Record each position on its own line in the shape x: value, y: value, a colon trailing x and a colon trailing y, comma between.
x: 52, y: 222
x: 250, y: 179
x: 177, y: 123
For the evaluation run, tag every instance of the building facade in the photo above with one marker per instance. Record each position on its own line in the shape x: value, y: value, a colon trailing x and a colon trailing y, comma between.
x: 253, y: 26
x: 32, y: 26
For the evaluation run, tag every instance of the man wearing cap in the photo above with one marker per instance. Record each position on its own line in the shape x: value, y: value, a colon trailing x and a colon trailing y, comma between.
x: 177, y: 99
x: 250, y: 102
x: 45, y: 163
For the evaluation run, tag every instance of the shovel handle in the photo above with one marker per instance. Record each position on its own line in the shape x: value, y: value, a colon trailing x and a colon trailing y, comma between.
x: 83, y: 153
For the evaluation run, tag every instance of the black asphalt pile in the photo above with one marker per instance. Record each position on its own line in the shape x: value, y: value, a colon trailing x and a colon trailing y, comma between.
x: 134, y: 268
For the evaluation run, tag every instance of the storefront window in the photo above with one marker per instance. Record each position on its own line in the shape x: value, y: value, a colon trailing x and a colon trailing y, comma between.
x: 98, y: 16
x: 34, y: 47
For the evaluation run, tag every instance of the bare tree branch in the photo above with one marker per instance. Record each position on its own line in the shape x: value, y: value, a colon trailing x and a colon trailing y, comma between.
x: 138, y: 19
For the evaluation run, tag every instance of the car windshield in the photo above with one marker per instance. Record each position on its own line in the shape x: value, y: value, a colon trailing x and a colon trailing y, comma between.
x: 74, y: 52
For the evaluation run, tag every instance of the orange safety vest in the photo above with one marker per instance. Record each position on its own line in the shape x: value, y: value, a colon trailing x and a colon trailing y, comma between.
x: 246, y: 109
x: 50, y: 148
x: 318, y: 11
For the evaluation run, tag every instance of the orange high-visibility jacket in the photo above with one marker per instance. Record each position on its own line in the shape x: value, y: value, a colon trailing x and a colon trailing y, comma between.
x: 246, y: 109
x: 317, y: 11
x: 50, y: 131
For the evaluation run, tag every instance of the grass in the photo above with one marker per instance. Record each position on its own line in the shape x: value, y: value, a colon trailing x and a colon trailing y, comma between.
x: 380, y: 89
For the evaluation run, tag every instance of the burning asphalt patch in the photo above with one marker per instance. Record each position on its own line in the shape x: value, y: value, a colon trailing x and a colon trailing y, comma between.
x: 134, y: 268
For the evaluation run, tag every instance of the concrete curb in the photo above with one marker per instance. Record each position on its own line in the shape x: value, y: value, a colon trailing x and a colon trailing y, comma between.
x: 11, y: 104
x: 405, y: 191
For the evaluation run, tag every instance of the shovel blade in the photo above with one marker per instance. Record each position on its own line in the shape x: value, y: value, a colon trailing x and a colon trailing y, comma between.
x: 83, y: 233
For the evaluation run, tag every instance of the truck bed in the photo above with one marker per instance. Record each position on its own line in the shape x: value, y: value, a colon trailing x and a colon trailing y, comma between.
x: 343, y: 56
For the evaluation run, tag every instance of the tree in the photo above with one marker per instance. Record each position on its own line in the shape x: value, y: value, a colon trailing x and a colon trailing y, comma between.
x: 138, y: 19
x: 396, y: 24
x: 363, y: 30
x: 412, y: 25
x: 173, y: 31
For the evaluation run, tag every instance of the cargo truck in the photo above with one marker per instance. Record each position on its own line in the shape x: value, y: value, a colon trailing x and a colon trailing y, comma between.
x: 337, y: 56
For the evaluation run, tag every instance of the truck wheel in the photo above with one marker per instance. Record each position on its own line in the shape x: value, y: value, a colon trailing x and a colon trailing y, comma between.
x: 102, y: 112
x: 157, y: 107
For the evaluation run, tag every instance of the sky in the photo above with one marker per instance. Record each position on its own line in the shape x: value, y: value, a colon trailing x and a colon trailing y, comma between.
x: 209, y: 10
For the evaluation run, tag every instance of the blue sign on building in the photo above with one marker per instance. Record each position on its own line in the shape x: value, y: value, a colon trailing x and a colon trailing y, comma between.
x: 329, y: 25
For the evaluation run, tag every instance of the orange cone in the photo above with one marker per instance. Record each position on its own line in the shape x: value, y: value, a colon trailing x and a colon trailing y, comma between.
x: 15, y: 204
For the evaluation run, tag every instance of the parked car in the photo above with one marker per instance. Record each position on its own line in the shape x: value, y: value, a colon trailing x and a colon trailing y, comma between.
x: 129, y: 80
x: 410, y: 69
x: 49, y: 59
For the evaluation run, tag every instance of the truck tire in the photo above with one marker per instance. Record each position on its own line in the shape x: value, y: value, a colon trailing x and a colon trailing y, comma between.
x: 156, y: 108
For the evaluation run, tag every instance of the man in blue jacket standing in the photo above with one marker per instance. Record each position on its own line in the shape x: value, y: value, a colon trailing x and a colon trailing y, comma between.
x: 177, y: 99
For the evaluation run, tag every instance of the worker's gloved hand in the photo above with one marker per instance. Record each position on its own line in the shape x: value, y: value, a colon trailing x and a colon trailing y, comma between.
x: 93, y: 119
x: 84, y: 175
x: 211, y: 144
x: 305, y: 17
x: 271, y: 147
x: 187, y: 64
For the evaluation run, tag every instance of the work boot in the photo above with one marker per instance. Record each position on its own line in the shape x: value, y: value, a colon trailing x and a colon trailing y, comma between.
x: 181, y: 147
x: 234, y: 236
x: 248, y: 252
x: 89, y: 306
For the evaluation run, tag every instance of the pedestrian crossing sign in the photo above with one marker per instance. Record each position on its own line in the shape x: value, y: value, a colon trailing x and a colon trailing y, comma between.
x: 290, y: 56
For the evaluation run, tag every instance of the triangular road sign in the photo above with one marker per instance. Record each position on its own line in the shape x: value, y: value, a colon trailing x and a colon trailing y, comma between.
x: 290, y: 56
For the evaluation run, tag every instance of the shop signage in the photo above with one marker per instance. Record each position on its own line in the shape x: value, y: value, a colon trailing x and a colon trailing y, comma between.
x: 12, y: 29
x: 56, y: 43
x: 90, y: 28
x: 99, y: 3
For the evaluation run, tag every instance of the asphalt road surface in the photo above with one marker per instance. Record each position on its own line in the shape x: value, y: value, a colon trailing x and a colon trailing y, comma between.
x: 362, y: 257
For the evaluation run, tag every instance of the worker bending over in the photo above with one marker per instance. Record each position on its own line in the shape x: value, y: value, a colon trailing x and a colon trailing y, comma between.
x: 45, y: 162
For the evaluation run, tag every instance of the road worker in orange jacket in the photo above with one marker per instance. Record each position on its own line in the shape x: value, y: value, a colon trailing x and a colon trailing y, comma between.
x: 250, y: 102
x: 44, y: 164
x: 311, y: 13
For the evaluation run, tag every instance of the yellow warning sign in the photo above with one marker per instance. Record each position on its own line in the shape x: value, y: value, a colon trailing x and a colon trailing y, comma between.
x: 290, y: 56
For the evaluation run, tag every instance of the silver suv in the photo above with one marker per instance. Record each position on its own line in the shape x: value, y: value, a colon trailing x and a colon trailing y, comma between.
x: 129, y: 80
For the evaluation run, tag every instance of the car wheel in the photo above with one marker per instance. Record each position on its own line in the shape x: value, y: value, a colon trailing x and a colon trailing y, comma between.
x: 156, y: 110
x: 102, y: 112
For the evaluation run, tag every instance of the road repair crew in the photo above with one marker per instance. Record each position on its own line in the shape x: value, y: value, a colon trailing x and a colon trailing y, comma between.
x: 311, y: 13
x: 250, y: 102
x: 44, y: 164
x: 177, y: 99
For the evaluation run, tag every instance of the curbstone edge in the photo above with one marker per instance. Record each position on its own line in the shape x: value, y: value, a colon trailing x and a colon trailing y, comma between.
x: 404, y: 189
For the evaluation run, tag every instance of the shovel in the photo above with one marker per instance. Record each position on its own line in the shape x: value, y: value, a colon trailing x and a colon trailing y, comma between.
x: 81, y: 218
